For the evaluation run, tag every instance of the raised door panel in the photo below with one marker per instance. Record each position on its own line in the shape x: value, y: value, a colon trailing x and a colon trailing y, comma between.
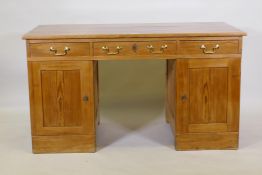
x: 208, y: 95
x: 62, y: 98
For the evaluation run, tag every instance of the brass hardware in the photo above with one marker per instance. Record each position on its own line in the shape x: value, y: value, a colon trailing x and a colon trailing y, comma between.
x: 66, y: 49
x: 183, y: 97
x: 152, y: 49
x: 106, y: 49
x: 206, y: 51
x: 85, y: 98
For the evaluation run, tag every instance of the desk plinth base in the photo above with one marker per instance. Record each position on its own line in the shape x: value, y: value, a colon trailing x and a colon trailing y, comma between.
x: 206, y: 141
x: 203, y: 141
x: 64, y: 144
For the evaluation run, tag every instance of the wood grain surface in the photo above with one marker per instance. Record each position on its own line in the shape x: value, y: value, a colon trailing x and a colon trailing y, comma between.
x: 132, y: 30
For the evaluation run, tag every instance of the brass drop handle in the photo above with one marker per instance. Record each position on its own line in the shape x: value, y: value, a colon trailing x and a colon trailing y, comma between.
x: 152, y: 49
x: 66, y: 50
x: 107, y: 50
x: 212, y: 51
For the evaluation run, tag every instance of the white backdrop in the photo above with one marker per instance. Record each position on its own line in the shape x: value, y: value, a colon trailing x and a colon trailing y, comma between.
x: 18, y: 17
x: 133, y: 137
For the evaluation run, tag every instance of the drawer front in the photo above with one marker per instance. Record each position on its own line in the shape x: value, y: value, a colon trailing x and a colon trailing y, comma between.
x: 135, y: 48
x: 209, y: 47
x: 59, y: 49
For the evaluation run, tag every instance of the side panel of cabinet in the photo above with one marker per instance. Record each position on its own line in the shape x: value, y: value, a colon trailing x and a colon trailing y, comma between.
x: 61, y: 97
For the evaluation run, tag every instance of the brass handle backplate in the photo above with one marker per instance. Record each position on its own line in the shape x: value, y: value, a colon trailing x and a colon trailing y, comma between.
x: 53, y: 50
x: 108, y: 52
x: 207, y: 51
x: 152, y: 49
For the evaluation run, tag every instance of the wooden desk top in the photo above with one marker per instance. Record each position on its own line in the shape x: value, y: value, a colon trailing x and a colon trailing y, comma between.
x: 81, y: 31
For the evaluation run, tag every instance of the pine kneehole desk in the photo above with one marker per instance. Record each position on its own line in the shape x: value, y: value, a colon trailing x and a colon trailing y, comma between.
x: 203, y: 80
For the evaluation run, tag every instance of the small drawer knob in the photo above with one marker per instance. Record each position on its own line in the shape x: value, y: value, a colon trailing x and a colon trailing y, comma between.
x: 183, y: 97
x: 85, y: 98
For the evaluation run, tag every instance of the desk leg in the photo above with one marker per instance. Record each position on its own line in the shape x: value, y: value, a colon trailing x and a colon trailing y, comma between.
x: 170, y: 92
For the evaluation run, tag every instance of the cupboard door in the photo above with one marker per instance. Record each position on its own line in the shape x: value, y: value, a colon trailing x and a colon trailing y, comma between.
x: 208, y: 92
x: 61, y: 97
